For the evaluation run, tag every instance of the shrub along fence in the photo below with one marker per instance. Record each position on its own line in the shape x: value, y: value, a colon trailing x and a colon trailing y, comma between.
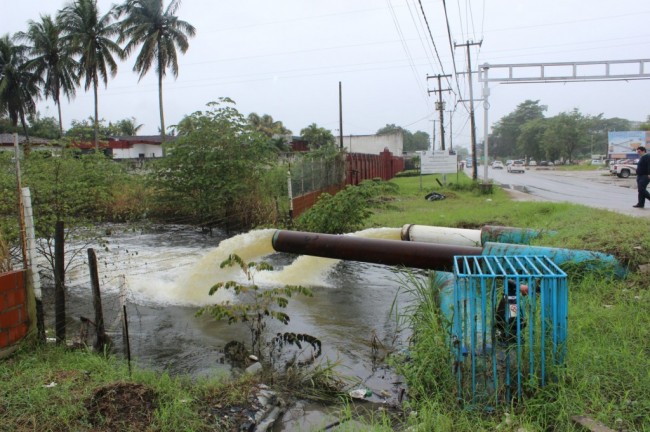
x: 353, y: 170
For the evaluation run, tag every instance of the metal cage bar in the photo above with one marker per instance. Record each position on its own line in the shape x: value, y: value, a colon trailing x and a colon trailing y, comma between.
x: 509, y: 325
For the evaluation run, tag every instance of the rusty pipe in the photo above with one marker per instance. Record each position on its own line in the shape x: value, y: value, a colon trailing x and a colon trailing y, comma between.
x: 429, y: 256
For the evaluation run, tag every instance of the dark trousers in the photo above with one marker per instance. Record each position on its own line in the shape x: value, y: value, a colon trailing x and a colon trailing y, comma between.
x: 641, y: 184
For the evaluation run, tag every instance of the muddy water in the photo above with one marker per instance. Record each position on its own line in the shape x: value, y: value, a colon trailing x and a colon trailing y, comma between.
x: 165, y: 277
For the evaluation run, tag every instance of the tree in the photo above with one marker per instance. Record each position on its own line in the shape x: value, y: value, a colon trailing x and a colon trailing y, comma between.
x: 565, y: 135
x: 19, y: 87
x: 266, y: 125
x: 89, y: 35
x: 317, y: 137
x: 531, y: 139
x: 272, y: 129
x: 87, y: 130
x: 255, y: 305
x: 210, y: 176
x: 52, y: 60
x: 128, y: 127
x: 412, y: 142
x: 160, y: 33
x: 645, y: 126
x: 44, y: 127
x: 503, y: 140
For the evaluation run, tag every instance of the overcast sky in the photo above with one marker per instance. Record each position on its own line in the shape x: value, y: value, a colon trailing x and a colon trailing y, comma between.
x: 286, y: 58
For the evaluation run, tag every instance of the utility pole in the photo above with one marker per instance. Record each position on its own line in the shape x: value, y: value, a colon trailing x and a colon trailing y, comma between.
x: 433, y: 136
x: 471, y: 106
x: 451, y: 131
x: 440, y: 106
x: 340, y: 117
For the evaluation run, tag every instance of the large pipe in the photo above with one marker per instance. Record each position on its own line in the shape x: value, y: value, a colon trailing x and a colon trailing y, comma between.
x: 429, y: 256
x: 441, y: 235
x: 470, y: 237
x: 591, y: 259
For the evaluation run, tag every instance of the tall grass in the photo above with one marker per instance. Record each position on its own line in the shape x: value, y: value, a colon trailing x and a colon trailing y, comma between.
x: 605, y: 375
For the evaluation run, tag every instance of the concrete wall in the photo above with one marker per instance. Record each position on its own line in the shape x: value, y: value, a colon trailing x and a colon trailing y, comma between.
x: 150, y: 151
x: 373, y: 144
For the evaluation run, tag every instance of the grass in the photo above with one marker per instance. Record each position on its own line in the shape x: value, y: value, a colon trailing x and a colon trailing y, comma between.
x: 606, y: 372
x: 605, y: 377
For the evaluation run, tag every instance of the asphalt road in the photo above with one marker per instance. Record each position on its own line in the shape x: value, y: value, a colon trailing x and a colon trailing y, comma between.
x: 596, y: 189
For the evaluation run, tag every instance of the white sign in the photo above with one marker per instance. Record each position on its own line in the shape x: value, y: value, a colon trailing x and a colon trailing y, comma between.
x: 438, y: 162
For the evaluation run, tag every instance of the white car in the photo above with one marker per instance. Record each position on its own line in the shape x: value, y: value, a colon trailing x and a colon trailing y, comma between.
x: 517, y: 166
x: 497, y: 165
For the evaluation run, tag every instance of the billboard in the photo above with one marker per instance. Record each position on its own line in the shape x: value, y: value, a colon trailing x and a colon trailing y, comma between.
x: 623, y: 145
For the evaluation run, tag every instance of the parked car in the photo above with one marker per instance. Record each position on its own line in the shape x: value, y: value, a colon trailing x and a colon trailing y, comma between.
x: 517, y: 166
x: 532, y: 163
x: 623, y: 170
x: 497, y: 165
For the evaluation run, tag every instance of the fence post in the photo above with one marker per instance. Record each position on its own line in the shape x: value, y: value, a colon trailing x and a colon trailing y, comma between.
x: 59, y: 282
x: 100, y: 340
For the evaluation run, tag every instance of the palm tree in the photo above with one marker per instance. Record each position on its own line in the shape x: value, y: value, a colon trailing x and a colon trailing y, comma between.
x: 266, y: 125
x: 160, y: 33
x: 19, y: 87
x: 90, y: 35
x: 51, y: 60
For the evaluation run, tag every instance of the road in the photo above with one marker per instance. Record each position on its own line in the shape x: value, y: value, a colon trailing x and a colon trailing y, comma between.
x: 590, y: 188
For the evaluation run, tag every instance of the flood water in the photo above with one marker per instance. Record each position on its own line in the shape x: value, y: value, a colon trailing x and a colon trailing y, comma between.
x: 166, y: 275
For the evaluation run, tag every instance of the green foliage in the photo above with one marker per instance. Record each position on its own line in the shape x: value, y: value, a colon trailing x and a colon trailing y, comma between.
x: 43, y: 127
x: 412, y: 141
x: 212, y: 173
x: 160, y: 33
x: 346, y: 211
x: 266, y: 125
x: 505, y: 132
x: 565, y: 135
x: 428, y: 373
x: 317, y: 137
x: 255, y: 305
x: 19, y: 84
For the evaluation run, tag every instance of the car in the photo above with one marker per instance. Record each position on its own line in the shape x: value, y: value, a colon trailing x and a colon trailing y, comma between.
x: 532, y: 163
x: 509, y: 162
x: 517, y: 166
x: 497, y: 165
x: 623, y: 170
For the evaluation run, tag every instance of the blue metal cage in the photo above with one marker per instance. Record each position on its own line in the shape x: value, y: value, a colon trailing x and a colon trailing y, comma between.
x: 509, y: 326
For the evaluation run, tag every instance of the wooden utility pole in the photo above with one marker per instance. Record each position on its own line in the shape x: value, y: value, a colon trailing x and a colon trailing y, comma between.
x: 340, y: 117
x: 471, y: 106
x: 440, y: 106
x: 451, y: 130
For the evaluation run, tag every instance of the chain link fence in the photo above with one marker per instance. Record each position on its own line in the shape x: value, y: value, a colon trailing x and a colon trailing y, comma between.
x: 314, y: 174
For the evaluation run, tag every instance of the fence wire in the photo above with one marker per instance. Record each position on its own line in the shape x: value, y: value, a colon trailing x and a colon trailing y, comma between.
x: 309, y: 175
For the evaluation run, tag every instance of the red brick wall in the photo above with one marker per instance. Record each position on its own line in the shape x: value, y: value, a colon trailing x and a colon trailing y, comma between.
x: 13, y: 310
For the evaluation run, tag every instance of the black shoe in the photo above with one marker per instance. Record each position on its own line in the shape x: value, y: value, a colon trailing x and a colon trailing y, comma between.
x: 637, y: 206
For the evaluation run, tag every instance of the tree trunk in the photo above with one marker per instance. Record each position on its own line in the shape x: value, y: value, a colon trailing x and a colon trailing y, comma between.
x: 59, y: 283
x: 96, y: 128
x: 160, y: 101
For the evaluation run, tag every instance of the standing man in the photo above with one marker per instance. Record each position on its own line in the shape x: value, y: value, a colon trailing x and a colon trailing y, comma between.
x: 642, y: 176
